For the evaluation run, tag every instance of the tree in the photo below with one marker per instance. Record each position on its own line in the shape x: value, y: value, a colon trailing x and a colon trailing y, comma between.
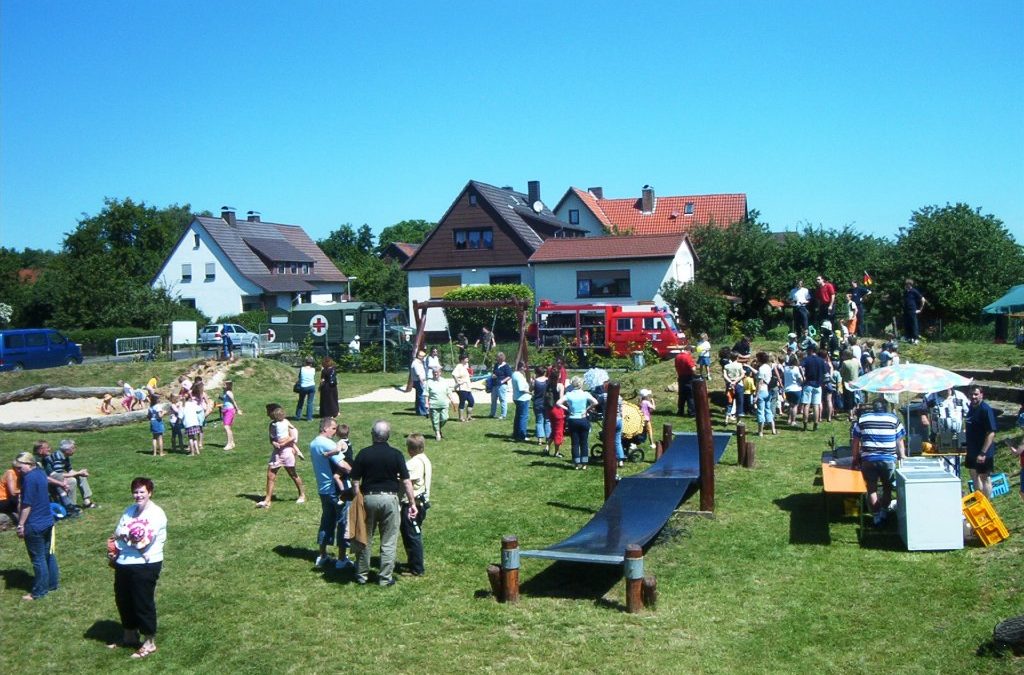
x: 470, y: 321
x: 409, y: 231
x: 701, y: 307
x: 345, y: 245
x: 960, y: 259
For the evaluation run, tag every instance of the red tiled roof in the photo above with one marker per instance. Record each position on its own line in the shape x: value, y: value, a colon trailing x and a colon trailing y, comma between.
x: 28, y: 275
x: 670, y: 213
x: 407, y: 249
x: 608, y: 248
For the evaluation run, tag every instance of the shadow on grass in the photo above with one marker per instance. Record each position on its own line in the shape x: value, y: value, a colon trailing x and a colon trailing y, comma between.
x: 574, y: 581
x: 572, y: 507
x: 884, y: 538
x: 296, y: 552
x: 808, y: 523
x: 557, y: 464
x: 17, y: 578
x: 104, y: 631
x: 251, y: 497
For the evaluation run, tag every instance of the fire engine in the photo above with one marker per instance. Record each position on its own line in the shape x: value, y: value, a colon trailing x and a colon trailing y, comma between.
x: 609, y: 328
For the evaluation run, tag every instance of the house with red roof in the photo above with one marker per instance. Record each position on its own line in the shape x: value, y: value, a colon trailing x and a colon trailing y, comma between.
x: 648, y: 213
x: 224, y: 266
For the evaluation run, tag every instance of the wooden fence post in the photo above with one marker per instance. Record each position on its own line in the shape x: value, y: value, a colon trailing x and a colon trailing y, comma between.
x: 611, y: 416
x: 666, y: 437
x: 741, y: 444
x: 510, y: 568
x: 705, y: 444
x: 634, y: 569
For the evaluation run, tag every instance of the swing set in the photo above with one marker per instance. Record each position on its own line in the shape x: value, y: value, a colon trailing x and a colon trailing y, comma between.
x: 521, y: 306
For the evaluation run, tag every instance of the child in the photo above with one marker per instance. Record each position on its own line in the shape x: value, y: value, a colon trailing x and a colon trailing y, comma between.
x: 127, y: 395
x: 229, y: 408
x: 107, y: 406
x: 192, y: 423
x: 703, y: 357
x: 342, y: 483
x: 420, y: 474
x: 647, y: 406
x: 177, y: 428
x: 138, y: 396
x: 156, y: 426
x: 284, y: 438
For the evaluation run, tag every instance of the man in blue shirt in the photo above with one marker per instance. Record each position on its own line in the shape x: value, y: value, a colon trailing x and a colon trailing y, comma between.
x: 981, y: 435
x: 877, y: 441
x: 913, y: 303
x: 814, y: 369
x: 35, y: 526
x: 326, y: 454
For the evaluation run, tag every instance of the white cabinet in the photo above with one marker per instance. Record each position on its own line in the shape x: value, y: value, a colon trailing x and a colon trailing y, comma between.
x: 929, y: 509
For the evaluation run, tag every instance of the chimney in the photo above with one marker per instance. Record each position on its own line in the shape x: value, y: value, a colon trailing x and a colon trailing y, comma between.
x: 598, y: 192
x: 228, y: 214
x: 533, y: 191
x: 253, y: 216
x: 647, y: 199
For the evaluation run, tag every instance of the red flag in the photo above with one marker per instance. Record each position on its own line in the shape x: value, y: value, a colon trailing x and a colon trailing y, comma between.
x: 867, y: 279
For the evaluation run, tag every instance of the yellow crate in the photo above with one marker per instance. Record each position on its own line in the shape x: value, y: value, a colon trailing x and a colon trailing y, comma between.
x: 984, y: 519
x: 851, y: 506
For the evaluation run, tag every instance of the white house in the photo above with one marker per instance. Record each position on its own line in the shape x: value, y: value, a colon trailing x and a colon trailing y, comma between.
x: 223, y: 266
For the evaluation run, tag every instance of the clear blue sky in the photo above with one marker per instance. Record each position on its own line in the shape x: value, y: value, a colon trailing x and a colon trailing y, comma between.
x: 322, y: 113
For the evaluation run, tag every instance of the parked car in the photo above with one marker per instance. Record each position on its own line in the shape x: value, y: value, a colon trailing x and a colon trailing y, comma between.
x: 212, y: 337
x: 28, y: 348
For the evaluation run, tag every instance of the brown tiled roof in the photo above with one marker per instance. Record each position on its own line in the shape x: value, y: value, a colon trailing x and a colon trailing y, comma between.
x: 406, y: 248
x: 276, y: 250
x: 608, y: 248
x: 670, y: 213
x: 232, y: 241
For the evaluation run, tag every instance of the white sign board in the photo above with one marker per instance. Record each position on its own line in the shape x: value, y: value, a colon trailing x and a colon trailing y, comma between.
x: 184, y: 332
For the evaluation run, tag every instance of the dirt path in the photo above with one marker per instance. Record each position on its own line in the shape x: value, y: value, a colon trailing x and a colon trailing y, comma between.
x: 397, y: 394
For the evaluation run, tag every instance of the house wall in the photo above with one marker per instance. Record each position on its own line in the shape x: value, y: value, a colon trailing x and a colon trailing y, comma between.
x: 588, y: 221
x: 557, y: 281
x: 219, y: 297
x: 419, y: 288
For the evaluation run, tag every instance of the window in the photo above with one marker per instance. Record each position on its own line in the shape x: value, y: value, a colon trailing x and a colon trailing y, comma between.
x: 35, y: 340
x: 186, y: 273
x: 195, y: 241
x: 506, y: 279
x: 653, y: 323
x: 305, y: 268
x: 602, y: 283
x: 211, y: 271
x: 251, y: 303
x: 57, y: 339
x: 295, y: 268
x: 188, y: 302
x: 689, y: 209
x: 482, y: 238
x: 574, y: 216
x: 624, y: 325
x: 14, y: 341
x: 472, y: 200
x: 280, y: 268
x: 440, y: 285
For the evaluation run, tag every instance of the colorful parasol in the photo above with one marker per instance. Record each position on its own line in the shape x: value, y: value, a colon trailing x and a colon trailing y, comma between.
x: 918, y: 378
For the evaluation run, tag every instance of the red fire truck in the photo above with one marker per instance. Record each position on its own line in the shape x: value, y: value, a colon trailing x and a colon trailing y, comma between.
x: 608, y: 328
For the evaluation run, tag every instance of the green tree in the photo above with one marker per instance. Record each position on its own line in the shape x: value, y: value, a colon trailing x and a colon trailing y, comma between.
x: 470, y: 321
x: 346, y: 245
x: 699, y: 306
x: 378, y: 280
x: 960, y: 259
x: 408, y: 231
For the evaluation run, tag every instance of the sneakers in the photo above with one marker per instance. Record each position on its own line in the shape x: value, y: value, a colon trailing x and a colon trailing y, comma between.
x: 343, y: 563
x: 321, y: 561
x: 300, y: 500
x: 390, y: 582
x: 262, y: 505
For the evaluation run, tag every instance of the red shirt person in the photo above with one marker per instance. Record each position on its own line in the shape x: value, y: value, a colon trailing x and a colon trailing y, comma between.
x: 685, y: 367
x: 825, y: 295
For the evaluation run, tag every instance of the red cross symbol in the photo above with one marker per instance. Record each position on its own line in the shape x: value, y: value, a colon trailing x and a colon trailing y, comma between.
x: 318, y: 325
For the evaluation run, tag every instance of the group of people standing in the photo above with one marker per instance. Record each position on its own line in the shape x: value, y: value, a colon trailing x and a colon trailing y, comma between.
x: 825, y: 303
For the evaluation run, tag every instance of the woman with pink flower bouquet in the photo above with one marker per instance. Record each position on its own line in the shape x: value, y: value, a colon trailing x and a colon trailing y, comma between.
x: 137, y: 552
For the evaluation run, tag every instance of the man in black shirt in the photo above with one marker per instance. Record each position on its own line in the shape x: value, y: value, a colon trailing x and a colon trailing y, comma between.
x: 815, y: 370
x: 381, y: 472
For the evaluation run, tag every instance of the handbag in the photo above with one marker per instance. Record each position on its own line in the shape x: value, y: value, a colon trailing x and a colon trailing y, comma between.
x: 296, y: 388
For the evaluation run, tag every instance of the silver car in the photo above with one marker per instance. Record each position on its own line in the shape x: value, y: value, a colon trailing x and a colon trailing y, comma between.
x: 212, y: 337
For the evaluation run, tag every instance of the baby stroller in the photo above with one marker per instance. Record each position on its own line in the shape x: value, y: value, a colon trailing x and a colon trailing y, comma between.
x: 633, y: 433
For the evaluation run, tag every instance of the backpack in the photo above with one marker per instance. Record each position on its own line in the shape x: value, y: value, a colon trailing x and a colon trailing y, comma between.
x: 775, y: 382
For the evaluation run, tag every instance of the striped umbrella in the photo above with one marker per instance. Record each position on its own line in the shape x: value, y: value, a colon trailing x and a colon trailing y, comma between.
x: 917, y: 378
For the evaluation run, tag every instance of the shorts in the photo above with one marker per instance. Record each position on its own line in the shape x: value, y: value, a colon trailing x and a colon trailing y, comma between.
x: 228, y: 416
x: 704, y: 360
x: 283, y: 457
x: 875, y: 470
x: 980, y: 463
x: 811, y: 396
x: 793, y: 397
x: 193, y: 432
x: 156, y: 427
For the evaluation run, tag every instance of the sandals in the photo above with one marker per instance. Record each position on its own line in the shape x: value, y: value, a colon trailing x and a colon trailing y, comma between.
x: 144, y: 651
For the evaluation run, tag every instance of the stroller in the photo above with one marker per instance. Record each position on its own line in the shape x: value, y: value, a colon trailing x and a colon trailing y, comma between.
x: 633, y: 433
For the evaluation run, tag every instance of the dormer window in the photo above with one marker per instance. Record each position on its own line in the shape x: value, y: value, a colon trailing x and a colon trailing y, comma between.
x: 689, y: 208
x: 481, y: 238
x: 280, y: 268
x: 472, y: 200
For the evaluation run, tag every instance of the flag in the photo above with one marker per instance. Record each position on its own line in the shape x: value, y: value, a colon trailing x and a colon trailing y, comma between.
x: 867, y: 279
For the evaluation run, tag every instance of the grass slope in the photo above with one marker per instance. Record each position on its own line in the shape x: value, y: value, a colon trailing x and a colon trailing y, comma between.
x: 767, y: 586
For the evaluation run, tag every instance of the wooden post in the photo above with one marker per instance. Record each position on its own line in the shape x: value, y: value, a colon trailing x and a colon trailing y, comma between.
x: 634, y: 569
x: 666, y: 437
x: 706, y: 445
x: 741, y: 444
x: 494, y: 578
x: 659, y: 450
x: 650, y: 591
x: 611, y: 462
x: 510, y: 568
x: 748, y: 456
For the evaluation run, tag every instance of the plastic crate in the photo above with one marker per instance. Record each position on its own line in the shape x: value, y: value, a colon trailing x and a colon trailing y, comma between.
x: 1000, y: 485
x: 984, y: 519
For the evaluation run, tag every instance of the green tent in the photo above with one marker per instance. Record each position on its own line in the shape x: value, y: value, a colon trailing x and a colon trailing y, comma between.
x: 1010, y: 303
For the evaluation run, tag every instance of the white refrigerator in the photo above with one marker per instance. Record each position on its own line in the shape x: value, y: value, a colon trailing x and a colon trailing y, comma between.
x: 929, y: 509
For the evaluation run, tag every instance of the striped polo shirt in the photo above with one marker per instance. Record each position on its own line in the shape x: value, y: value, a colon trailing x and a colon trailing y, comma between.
x: 878, y: 433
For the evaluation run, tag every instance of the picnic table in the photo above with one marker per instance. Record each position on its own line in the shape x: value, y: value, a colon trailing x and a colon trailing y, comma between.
x: 840, y: 479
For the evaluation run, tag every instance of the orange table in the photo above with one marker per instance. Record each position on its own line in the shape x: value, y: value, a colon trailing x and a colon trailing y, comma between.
x: 839, y: 480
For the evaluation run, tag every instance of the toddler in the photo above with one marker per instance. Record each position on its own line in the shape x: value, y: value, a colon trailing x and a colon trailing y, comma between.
x: 156, y: 426
x: 647, y: 406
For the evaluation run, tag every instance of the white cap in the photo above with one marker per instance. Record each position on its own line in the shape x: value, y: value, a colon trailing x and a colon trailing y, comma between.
x: 644, y: 392
x: 792, y: 336
x: 356, y: 337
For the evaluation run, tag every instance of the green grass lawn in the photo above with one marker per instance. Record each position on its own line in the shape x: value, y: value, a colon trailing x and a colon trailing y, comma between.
x: 765, y: 586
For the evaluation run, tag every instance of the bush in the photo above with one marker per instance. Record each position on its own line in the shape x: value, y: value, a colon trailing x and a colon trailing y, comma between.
x: 700, y: 307
x: 962, y: 331
x: 778, y: 334
x: 253, y: 320
x: 753, y: 327
x: 470, y: 321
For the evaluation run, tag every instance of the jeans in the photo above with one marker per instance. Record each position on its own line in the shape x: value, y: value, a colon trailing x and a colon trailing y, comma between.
x: 522, y: 419
x: 543, y: 426
x: 619, y: 454
x: 685, y: 405
x: 44, y: 563
x: 579, y: 432
x: 466, y: 400
x: 306, y: 394
x: 412, y: 537
x: 738, y: 391
x: 765, y: 411
x: 910, y: 325
x: 499, y: 394
x: 333, y: 519
x: 382, y: 513
x: 421, y: 398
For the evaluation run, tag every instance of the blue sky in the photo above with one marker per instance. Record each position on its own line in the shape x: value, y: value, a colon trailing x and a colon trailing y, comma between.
x: 323, y: 113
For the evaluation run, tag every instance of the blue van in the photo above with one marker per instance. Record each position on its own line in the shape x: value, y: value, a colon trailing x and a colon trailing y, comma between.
x: 27, y: 348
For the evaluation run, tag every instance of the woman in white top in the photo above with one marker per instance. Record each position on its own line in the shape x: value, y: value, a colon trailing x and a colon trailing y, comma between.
x: 463, y: 375
x: 137, y: 552
x: 305, y: 387
x: 765, y: 410
x: 793, y: 385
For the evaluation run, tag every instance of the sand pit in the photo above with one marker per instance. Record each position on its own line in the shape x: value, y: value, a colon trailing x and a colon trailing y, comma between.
x: 49, y: 409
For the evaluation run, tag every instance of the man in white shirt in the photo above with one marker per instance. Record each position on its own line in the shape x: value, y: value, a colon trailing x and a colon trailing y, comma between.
x: 799, y: 297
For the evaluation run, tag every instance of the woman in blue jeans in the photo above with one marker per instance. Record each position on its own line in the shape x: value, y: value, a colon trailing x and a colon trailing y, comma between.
x: 577, y: 403
x: 35, y: 526
x: 306, y: 389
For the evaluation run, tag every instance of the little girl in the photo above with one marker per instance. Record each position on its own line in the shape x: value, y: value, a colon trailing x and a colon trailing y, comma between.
x: 127, y: 395
x: 704, y: 357
x: 193, y: 424
x: 647, y: 406
x: 177, y: 428
x: 156, y: 426
x: 229, y: 408
x: 284, y: 438
x: 107, y: 406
